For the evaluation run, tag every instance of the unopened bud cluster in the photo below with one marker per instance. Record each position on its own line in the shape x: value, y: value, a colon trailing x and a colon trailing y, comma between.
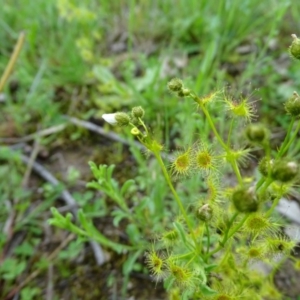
x: 285, y: 171
x: 281, y: 170
x: 124, y: 119
x: 176, y: 86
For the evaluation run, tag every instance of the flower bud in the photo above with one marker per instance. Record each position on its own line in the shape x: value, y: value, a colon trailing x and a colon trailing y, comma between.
x: 284, y: 171
x: 175, y: 85
x: 244, y: 200
x: 135, y: 121
x: 256, y: 133
x: 122, y: 119
x: 295, y: 47
x: 292, y: 105
x: 135, y: 131
x: 110, y: 118
x: 184, y: 92
x: 205, y: 213
x: 265, y: 166
x: 137, y: 112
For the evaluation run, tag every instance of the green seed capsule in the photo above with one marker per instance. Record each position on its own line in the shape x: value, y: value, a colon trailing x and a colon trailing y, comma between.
x: 184, y: 92
x: 137, y: 112
x: 265, y: 166
x: 256, y: 133
x: 205, y: 213
x: 284, y: 171
x: 244, y: 200
x: 295, y: 47
x: 292, y: 105
x: 122, y: 119
x: 175, y: 85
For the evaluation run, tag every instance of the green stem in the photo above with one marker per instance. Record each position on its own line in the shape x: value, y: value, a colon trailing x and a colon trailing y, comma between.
x: 225, y: 256
x: 291, y: 140
x: 238, y: 226
x: 230, y: 131
x: 183, y: 255
x: 212, y: 125
x: 144, y: 126
x: 213, y: 252
x: 260, y: 183
x: 287, y: 137
x: 191, y: 260
x: 208, y: 237
x: 276, y: 268
x: 237, y: 171
x: 267, y: 149
x: 288, y: 140
x: 227, y: 237
x: 229, y: 226
x: 168, y: 179
x: 267, y: 183
x: 220, y: 140
x: 201, y: 239
x: 274, y: 204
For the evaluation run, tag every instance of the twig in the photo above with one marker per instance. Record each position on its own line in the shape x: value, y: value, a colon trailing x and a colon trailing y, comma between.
x: 110, y: 135
x: 32, y: 158
x: 67, y: 197
x: 37, y: 134
x: 12, y: 61
x: 7, y: 229
x: 49, y: 289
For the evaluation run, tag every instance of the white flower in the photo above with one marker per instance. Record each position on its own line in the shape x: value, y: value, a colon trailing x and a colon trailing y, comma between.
x: 110, y: 118
x: 119, y: 118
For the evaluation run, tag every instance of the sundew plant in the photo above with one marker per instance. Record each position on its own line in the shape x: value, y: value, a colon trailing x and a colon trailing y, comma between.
x: 209, y: 249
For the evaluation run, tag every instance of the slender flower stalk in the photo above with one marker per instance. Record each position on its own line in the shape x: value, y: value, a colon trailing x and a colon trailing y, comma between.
x: 176, y: 197
x: 286, y: 146
x: 287, y: 137
x: 208, y: 237
x: 220, y: 140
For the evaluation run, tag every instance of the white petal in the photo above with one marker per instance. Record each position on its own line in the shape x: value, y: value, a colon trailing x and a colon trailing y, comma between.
x: 110, y: 118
